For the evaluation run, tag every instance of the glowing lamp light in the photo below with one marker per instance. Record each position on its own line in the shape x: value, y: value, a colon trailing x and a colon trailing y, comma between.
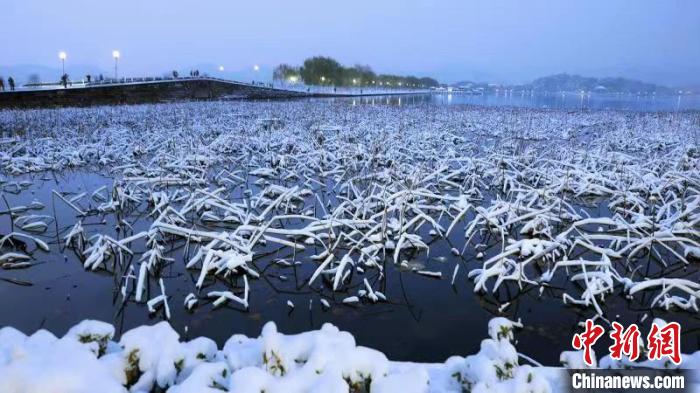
x: 62, y: 55
x: 116, y: 54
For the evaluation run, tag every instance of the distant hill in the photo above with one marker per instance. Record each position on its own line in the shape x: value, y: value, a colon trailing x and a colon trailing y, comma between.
x: 575, y: 83
x: 566, y: 82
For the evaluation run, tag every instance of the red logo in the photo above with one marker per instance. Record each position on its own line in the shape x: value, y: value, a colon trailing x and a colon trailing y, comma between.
x: 625, y: 342
x: 586, y: 340
x: 663, y: 341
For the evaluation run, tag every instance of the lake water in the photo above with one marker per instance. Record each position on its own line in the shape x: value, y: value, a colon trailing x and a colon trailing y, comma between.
x: 424, y: 320
x: 566, y: 101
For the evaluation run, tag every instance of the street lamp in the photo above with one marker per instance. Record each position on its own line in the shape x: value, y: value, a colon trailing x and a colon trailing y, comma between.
x: 256, y: 68
x: 323, y: 79
x: 62, y: 55
x: 116, y: 55
x: 221, y: 68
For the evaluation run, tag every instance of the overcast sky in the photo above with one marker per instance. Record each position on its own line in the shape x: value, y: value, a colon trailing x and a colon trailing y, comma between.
x: 504, y: 41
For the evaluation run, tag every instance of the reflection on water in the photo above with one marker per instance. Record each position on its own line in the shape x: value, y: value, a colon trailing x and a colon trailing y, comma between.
x: 567, y: 101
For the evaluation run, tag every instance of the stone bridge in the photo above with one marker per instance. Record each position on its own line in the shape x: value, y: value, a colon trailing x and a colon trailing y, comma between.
x: 149, y: 90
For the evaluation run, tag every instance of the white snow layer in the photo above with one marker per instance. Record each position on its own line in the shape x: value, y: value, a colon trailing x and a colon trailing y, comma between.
x: 149, y: 358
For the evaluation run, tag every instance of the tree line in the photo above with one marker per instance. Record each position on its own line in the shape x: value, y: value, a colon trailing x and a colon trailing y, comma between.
x: 320, y: 70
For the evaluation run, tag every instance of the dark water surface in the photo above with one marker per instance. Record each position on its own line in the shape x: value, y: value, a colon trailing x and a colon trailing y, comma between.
x: 425, y: 320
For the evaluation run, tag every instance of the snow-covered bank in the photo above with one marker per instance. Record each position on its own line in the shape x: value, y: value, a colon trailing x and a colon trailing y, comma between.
x: 149, y: 358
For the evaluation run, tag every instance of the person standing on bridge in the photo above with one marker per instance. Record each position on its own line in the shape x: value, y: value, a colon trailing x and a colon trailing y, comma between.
x: 11, y: 82
x: 64, y: 81
x: 2, y: 84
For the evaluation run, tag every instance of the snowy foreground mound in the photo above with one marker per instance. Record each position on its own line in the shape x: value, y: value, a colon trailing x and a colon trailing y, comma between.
x: 326, y: 360
x: 152, y: 358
